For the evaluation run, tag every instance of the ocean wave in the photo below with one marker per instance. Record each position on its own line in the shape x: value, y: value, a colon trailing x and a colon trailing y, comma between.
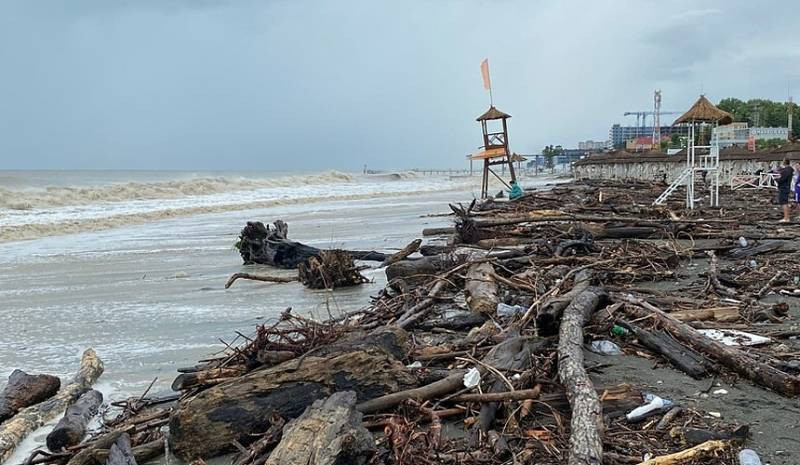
x: 395, y: 176
x: 85, y: 195
x: 18, y: 232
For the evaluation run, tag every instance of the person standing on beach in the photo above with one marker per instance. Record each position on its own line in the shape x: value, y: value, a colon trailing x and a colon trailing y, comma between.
x: 784, y: 186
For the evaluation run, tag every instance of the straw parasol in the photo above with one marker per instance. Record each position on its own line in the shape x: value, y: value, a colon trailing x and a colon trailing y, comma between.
x: 704, y: 111
x: 492, y: 113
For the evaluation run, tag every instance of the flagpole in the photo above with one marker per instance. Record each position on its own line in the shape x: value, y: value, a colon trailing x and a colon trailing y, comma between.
x: 491, y: 99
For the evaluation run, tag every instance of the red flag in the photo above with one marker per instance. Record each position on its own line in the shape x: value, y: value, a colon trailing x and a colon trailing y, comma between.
x: 487, y: 83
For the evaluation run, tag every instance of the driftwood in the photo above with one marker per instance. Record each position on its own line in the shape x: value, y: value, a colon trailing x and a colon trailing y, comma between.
x: 699, y: 452
x: 204, y: 377
x: 683, y: 358
x: 71, y: 429
x: 720, y: 314
x: 481, y: 289
x: 751, y: 251
x: 586, y: 438
x: 503, y: 396
x: 549, y: 315
x: 257, y: 277
x: 141, y: 453
x: 423, y: 267
x: 30, y: 418
x: 735, y: 359
x: 24, y: 390
x: 332, y: 269
x: 259, y: 451
x: 271, y: 246
x: 329, y: 432
x: 437, y: 388
x: 403, y: 253
x: 206, y: 425
x: 512, y: 354
x: 120, y: 452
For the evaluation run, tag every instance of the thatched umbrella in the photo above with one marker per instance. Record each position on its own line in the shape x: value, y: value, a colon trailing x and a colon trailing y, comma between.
x: 703, y: 111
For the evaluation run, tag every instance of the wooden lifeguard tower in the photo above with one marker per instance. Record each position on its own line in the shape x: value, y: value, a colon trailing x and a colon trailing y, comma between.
x: 495, y: 148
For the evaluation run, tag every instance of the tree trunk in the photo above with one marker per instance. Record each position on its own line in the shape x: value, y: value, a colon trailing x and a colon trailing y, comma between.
x: 24, y: 390
x: 738, y: 361
x: 329, y: 432
x: 586, y: 426
x: 29, y: 419
x: 481, y: 289
x: 206, y: 425
x: 71, y: 429
x: 424, y: 267
x: 549, y: 315
x: 271, y: 246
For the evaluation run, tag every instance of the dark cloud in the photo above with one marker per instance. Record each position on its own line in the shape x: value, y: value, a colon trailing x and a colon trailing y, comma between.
x: 317, y: 84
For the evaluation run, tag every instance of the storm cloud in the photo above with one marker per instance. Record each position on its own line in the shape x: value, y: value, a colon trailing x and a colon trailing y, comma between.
x: 291, y: 85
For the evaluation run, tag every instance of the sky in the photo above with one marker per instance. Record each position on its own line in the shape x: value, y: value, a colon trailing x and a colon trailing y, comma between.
x: 315, y: 85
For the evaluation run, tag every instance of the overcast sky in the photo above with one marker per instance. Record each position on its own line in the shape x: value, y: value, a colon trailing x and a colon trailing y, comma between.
x: 295, y: 84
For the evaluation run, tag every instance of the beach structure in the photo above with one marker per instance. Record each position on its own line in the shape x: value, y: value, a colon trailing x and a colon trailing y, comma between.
x: 702, y: 156
x: 495, y: 147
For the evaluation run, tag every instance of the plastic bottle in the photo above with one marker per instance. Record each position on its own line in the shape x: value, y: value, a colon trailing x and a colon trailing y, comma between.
x: 654, y: 405
x: 605, y: 348
x: 748, y: 457
x: 617, y: 330
x: 509, y: 310
x: 742, y: 242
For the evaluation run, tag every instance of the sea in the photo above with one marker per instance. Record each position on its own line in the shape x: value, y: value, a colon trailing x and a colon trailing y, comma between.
x: 133, y: 263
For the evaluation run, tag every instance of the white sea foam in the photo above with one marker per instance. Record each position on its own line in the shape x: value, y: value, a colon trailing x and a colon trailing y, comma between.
x: 56, y: 196
x: 30, y: 213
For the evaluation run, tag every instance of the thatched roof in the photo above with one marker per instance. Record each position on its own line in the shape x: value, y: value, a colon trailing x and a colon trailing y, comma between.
x: 493, y: 113
x: 729, y: 153
x: 704, y: 111
x: 517, y: 157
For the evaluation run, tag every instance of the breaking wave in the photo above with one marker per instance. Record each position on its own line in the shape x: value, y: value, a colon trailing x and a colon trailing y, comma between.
x: 64, y: 196
x: 35, y: 230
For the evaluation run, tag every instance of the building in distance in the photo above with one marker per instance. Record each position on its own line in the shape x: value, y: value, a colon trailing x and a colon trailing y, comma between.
x: 593, y: 145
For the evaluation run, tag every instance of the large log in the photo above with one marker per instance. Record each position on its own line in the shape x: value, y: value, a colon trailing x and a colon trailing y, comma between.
x: 423, y: 267
x: 29, y: 419
x: 586, y: 425
x: 549, y: 315
x: 71, y: 429
x: 207, y: 424
x: 481, y: 289
x: 682, y: 358
x: 271, y: 246
x: 24, y: 390
x: 329, y: 432
x: 735, y: 359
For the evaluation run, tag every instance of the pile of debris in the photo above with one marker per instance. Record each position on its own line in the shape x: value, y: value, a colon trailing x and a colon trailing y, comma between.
x: 474, y: 352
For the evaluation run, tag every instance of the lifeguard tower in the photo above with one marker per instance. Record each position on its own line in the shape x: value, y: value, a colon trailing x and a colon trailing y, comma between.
x: 495, y: 147
x: 705, y: 161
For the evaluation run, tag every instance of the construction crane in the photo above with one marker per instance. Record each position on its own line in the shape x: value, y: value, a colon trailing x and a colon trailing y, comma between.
x: 642, y: 116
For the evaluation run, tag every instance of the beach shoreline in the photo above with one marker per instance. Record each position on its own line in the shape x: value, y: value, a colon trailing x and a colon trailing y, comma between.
x: 741, y: 403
